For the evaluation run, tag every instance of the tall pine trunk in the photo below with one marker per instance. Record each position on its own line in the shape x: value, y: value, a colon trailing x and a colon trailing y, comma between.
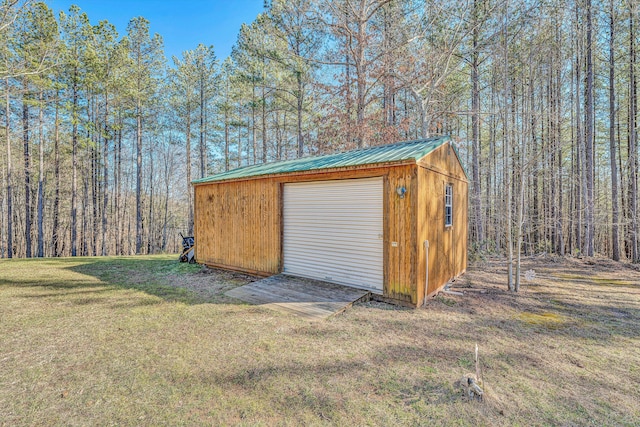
x: 188, y: 168
x: 203, y: 142
x: 56, y: 172
x: 589, y: 140
x: 105, y: 175
x: 239, y: 137
x: 139, y: 176
x: 74, y: 167
x: 41, y: 178
x: 299, y: 107
x: 117, y: 154
x: 475, y: 124
x: 151, y: 219
x: 27, y: 171
x: 633, y: 144
x: 579, y: 173
x: 615, y: 240
x: 507, y: 183
x: 9, y: 171
x: 226, y: 144
x: 254, y: 141
x: 559, y: 219
x: 94, y: 178
x: 264, y: 123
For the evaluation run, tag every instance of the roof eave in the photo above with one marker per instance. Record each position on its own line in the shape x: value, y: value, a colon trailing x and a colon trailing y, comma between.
x: 448, y: 140
x: 312, y: 171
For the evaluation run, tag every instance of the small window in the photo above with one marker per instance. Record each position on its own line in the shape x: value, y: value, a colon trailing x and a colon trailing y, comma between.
x: 448, y: 205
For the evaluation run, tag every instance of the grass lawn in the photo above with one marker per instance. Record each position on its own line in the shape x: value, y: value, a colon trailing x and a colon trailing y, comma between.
x: 149, y: 341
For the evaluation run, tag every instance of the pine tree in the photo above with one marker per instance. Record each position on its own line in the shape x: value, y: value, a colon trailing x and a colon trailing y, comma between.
x: 147, y: 59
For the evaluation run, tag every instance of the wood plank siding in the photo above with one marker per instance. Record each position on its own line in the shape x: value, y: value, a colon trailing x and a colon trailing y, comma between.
x: 400, y: 236
x: 238, y: 223
x: 447, y: 244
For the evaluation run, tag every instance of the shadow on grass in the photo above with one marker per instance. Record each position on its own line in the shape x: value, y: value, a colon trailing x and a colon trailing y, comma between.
x: 292, y: 387
x: 83, y: 278
x: 167, y: 279
x: 563, y: 308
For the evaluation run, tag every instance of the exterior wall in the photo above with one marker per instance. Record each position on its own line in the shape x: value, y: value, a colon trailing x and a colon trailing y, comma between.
x: 400, y: 224
x: 238, y: 224
x: 447, y: 245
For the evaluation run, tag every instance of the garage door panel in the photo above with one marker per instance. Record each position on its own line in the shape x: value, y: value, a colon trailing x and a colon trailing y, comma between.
x: 346, y: 238
x: 333, y: 231
x: 354, y: 249
x: 313, y: 249
x: 332, y: 267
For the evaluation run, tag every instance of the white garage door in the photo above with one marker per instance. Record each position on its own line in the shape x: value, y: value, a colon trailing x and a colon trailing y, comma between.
x: 333, y: 231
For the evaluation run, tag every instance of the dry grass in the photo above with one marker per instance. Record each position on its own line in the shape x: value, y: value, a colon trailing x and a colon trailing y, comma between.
x: 147, y: 341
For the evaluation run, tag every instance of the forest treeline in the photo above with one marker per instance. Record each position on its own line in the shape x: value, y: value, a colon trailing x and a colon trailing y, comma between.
x: 103, y: 133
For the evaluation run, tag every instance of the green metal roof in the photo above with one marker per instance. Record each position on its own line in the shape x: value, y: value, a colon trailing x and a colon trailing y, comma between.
x: 390, y: 153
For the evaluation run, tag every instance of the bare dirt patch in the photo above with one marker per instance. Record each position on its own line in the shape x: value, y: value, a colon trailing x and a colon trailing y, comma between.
x: 210, y: 284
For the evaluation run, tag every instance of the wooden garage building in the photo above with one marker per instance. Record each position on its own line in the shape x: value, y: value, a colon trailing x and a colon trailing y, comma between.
x: 367, y: 218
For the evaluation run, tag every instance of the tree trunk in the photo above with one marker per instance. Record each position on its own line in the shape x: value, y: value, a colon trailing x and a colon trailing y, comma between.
x: 254, y: 141
x: 139, y: 177
x: 389, y: 63
x: 239, y: 137
x: 505, y: 156
x: 56, y: 173
x: 264, y: 124
x: 117, y: 154
x: 9, y: 171
x: 589, y: 140
x: 27, y: 171
x: 85, y: 203
x: 278, y: 135
x: 105, y: 176
x: 41, y: 179
x: 226, y: 123
x: 347, y: 84
x: 633, y: 144
x: 226, y: 139
x: 299, y: 107
x: 361, y: 84
x: 203, y: 147
x: 579, y: 174
x: 167, y: 187
x: 151, y: 219
x: 74, y: 166
x: 615, y: 240
x: 188, y: 167
x: 94, y: 178
x: 558, y: 138
x: 475, y: 123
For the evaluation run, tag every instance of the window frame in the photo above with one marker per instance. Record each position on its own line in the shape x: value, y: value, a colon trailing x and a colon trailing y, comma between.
x: 448, y: 205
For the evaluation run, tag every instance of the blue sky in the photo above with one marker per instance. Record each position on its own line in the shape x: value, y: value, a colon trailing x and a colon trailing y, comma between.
x: 182, y: 24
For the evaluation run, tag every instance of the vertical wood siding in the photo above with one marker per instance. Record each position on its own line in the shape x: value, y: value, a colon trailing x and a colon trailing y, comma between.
x: 447, y: 245
x: 400, y: 227
x: 238, y: 225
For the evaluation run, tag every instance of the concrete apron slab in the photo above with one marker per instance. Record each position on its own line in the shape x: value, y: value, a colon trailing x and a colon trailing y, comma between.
x: 308, y: 298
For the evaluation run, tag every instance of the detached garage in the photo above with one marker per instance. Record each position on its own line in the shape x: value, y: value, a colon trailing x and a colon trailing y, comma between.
x: 390, y: 219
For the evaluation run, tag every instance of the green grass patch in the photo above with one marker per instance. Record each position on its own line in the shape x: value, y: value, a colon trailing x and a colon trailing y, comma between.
x: 548, y: 320
x: 152, y: 275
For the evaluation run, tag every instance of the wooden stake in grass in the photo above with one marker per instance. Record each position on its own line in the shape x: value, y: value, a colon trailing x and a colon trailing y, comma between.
x: 477, y: 366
